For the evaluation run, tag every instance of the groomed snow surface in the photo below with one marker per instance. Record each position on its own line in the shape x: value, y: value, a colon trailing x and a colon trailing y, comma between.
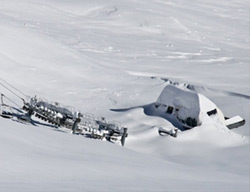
x: 120, y: 55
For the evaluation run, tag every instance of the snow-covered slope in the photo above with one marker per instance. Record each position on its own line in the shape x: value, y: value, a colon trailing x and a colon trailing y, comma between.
x: 102, y: 55
x: 44, y: 159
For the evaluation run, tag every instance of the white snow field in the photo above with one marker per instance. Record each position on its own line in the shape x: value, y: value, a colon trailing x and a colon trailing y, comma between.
x: 112, y: 54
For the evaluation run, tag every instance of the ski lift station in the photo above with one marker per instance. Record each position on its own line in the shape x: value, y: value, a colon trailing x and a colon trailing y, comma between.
x: 186, y: 109
x: 182, y: 107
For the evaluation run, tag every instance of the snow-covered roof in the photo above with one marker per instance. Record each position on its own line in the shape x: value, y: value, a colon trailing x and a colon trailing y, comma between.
x: 187, y: 103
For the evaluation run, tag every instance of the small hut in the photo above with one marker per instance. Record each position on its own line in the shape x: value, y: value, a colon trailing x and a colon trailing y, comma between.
x: 185, y: 109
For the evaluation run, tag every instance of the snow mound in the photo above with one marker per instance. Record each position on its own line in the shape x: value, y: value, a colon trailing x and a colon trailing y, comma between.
x: 145, y: 121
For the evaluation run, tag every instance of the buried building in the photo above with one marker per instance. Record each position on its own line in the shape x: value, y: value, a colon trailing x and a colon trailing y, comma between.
x: 185, y: 109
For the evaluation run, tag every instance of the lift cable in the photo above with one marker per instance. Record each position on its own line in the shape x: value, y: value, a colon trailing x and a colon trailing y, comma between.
x: 11, y: 91
x: 13, y: 88
x: 10, y: 100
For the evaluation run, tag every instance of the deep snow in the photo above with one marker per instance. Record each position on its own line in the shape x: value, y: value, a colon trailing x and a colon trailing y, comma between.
x: 102, y: 55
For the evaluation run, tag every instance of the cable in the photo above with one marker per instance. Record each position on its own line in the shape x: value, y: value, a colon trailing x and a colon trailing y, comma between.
x: 11, y: 91
x: 13, y: 87
x: 13, y: 102
x: 9, y: 100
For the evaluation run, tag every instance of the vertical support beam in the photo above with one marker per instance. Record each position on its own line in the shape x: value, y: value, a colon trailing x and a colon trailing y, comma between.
x: 124, y: 135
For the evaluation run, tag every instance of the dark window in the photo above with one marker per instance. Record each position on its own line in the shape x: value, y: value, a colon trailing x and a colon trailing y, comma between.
x: 213, y: 112
x: 191, y: 122
x: 169, y: 110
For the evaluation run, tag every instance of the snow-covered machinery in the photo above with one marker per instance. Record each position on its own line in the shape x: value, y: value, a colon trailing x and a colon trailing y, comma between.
x: 52, y: 113
x: 80, y: 123
x: 100, y: 128
x: 60, y: 116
